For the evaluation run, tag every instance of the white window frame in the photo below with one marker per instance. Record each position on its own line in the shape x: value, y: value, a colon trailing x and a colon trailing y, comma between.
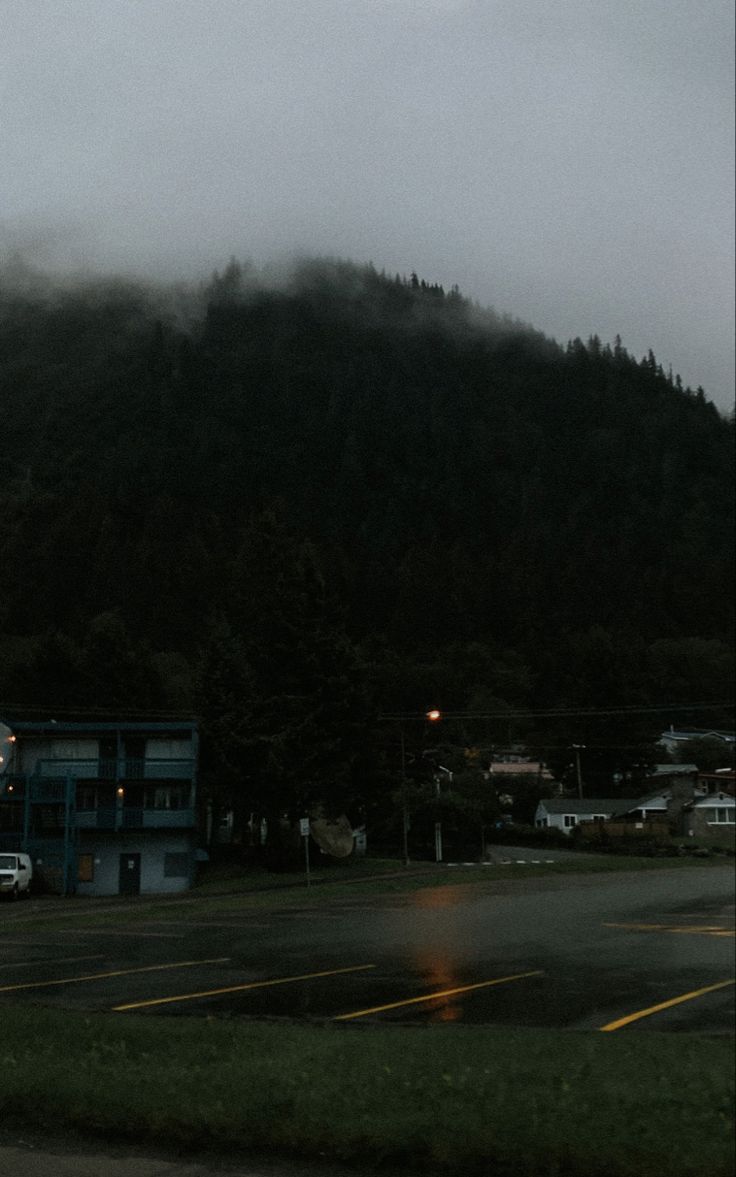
x: 728, y: 812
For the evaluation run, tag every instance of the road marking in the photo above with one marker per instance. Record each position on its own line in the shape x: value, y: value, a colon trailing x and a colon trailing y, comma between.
x: 689, y: 930
x: 240, y: 926
x: 653, y: 1009
x: 377, y: 1009
x: 241, y: 988
x: 135, y: 932
x: 151, y: 968
x: 19, y: 964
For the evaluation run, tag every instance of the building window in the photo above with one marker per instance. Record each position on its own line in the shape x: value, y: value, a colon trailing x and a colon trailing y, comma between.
x: 176, y: 866
x: 720, y: 816
x: 86, y: 868
x: 167, y: 797
x: 569, y: 820
x: 86, y: 796
x: 599, y: 817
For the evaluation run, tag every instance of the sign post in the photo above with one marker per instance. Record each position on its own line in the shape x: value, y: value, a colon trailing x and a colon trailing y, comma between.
x: 304, y: 831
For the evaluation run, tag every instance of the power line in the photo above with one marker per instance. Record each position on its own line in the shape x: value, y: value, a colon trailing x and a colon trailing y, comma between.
x: 563, y: 712
x: 513, y: 713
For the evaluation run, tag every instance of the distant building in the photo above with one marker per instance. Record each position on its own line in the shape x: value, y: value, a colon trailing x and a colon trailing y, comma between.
x: 672, y: 772
x: 722, y: 780
x: 509, y: 769
x: 567, y: 812
x: 103, y: 808
x: 673, y: 740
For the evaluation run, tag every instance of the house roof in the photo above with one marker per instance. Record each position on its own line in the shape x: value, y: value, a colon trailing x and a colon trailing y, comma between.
x: 576, y: 806
x: 711, y: 799
x: 647, y: 802
x: 697, y: 734
x: 519, y: 768
x: 673, y: 770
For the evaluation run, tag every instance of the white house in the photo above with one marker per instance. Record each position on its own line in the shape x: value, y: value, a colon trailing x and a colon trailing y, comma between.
x: 565, y: 813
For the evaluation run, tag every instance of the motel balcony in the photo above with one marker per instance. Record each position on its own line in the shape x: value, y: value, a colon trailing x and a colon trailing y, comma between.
x: 134, y: 818
x: 119, y: 769
x: 151, y: 795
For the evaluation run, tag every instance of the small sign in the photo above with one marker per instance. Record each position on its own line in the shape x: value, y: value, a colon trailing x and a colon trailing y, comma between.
x: 304, y: 827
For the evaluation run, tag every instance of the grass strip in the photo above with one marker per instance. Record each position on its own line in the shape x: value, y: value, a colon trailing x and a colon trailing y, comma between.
x: 440, y: 1099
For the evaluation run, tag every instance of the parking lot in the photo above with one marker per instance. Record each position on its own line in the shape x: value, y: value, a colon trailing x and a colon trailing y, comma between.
x: 615, y: 952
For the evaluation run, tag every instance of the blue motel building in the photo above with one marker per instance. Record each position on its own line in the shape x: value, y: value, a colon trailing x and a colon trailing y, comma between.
x: 101, y: 808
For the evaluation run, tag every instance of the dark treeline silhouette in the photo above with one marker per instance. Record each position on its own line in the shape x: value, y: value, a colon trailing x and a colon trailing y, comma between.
x: 289, y: 506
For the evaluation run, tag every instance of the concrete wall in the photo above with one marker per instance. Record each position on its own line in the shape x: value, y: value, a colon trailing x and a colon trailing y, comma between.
x: 152, y: 846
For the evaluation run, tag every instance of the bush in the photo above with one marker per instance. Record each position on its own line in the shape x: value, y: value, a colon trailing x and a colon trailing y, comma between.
x: 513, y: 835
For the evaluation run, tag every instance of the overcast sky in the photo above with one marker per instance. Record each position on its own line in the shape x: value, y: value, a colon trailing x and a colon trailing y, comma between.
x: 570, y: 162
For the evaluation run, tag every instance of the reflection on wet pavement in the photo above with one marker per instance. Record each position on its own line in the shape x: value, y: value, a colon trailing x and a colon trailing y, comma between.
x: 569, y: 954
x: 452, y: 895
x: 439, y: 973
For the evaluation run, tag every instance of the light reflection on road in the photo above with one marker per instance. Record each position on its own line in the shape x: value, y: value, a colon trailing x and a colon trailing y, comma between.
x: 435, y: 964
x: 438, y: 973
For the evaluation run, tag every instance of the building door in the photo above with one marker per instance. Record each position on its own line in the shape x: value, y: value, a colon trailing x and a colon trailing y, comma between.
x: 130, y: 874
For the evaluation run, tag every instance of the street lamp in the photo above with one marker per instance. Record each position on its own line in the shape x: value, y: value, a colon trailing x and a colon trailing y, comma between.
x: 433, y: 716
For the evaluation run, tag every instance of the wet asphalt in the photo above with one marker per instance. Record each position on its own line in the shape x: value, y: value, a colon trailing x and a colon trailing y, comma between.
x: 573, y: 952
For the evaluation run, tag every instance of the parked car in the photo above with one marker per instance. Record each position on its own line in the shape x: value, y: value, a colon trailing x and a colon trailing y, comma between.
x: 16, y: 872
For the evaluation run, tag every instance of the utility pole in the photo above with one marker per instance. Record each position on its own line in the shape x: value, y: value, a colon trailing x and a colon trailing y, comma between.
x: 432, y: 716
x: 577, y: 748
x: 404, y: 807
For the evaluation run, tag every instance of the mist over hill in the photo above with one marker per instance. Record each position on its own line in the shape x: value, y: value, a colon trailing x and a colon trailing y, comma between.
x: 213, y: 498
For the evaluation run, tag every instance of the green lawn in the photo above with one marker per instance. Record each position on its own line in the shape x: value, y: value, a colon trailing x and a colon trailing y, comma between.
x: 453, y: 1099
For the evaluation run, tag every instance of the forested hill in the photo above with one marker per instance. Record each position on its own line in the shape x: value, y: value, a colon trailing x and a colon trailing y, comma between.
x: 490, y: 515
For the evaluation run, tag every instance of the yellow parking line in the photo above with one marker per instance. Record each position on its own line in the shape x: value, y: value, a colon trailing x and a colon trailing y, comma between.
x: 684, y: 930
x: 28, y: 964
x: 377, y: 1009
x: 151, y: 968
x: 240, y: 988
x: 653, y: 1009
x: 714, y: 931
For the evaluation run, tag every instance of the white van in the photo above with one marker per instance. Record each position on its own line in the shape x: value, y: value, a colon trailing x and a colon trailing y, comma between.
x: 16, y: 872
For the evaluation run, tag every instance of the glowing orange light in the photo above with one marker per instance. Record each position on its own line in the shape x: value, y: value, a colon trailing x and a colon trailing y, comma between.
x: 434, y: 715
x: 121, y: 792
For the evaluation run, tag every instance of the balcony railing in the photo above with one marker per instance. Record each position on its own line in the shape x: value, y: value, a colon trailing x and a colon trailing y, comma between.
x: 134, y: 818
x: 119, y: 769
